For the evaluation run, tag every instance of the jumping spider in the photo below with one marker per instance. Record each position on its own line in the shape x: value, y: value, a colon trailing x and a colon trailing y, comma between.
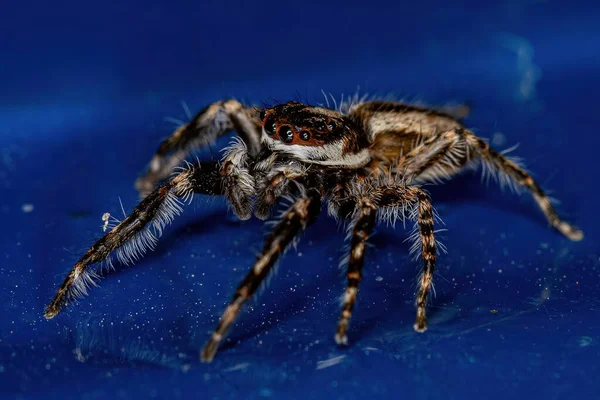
x: 365, y: 160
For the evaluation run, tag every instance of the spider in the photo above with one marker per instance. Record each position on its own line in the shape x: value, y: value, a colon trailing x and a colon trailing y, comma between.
x: 365, y: 160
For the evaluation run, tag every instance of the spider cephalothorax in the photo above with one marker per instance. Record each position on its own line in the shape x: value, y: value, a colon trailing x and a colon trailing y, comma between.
x: 364, y: 163
x: 315, y: 135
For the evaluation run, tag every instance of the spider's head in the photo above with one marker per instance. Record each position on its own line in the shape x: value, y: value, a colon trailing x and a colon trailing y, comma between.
x: 314, y: 134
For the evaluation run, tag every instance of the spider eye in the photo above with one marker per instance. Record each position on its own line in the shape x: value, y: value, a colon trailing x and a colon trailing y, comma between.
x: 270, y: 127
x: 262, y: 115
x: 304, y: 135
x: 331, y: 125
x: 286, y: 134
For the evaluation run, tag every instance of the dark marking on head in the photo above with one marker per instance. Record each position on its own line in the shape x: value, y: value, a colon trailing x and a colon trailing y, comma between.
x: 301, y: 124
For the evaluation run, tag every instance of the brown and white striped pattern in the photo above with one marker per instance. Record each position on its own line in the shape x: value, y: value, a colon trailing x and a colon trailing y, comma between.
x: 137, y: 233
x: 213, y: 121
x: 362, y: 228
x: 297, y: 218
x: 417, y: 204
x: 428, y: 251
x: 510, y: 170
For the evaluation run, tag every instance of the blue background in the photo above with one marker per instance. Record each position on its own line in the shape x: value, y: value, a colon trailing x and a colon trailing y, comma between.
x: 84, y: 90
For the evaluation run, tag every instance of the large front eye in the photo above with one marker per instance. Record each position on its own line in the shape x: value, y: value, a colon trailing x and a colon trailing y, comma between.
x: 286, y: 134
x: 270, y: 127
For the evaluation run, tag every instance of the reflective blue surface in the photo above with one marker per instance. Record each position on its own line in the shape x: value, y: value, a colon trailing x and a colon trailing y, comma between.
x: 84, y: 92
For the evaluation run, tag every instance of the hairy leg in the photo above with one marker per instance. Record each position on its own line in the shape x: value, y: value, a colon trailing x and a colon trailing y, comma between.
x: 392, y: 201
x: 511, y: 170
x: 443, y: 155
x: 238, y: 183
x: 275, y: 185
x: 362, y: 228
x: 431, y: 145
x: 213, y: 121
x: 301, y: 214
x: 130, y: 239
x: 438, y: 157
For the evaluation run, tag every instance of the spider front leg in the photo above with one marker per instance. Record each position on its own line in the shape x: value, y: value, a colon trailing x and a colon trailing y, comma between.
x: 213, y: 121
x: 275, y: 184
x: 129, y: 240
x: 301, y: 214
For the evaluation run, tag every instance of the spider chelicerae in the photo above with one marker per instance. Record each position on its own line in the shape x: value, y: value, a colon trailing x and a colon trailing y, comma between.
x: 364, y: 160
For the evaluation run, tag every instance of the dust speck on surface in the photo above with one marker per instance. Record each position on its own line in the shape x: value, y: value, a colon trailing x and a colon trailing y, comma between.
x: 27, y: 207
x: 330, y: 362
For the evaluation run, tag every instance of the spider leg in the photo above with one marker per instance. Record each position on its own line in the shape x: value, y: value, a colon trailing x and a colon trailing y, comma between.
x: 362, y: 228
x: 301, y: 214
x: 238, y: 183
x: 388, y: 199
x: 432, y: 145
x: 440, y: 156
x: 506, y: 167
x: 213, y: 121
x: 129, y: 240
x: 274, y: 186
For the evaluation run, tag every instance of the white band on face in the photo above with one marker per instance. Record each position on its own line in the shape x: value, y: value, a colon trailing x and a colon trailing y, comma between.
x: 327, y: 154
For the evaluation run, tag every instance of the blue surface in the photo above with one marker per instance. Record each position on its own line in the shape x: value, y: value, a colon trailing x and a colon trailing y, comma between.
x: 84, y: 92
